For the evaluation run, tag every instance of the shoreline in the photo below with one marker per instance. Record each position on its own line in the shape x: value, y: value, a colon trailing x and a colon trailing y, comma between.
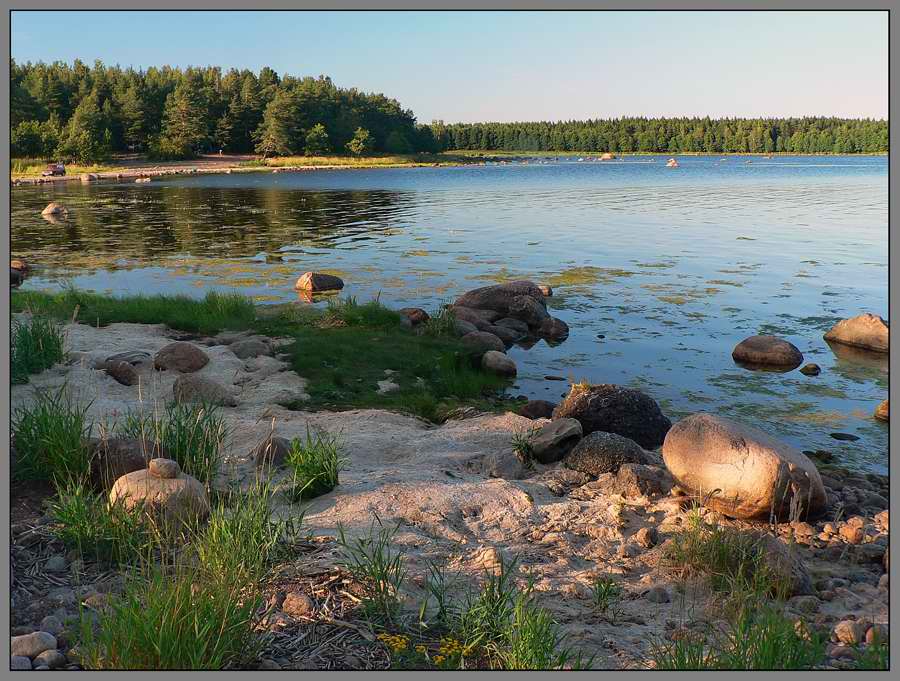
x: 209, y: 165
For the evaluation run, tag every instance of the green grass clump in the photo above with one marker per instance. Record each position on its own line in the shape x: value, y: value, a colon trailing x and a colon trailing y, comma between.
x: 190, y: 433
x: 442, y: 323
x: 215, y: 312
x: 109, y: 532
x: 50, y: 437
x: 35, y: 345
x: 315, y: 465
x: 605, y: 593
x: 348, y: 312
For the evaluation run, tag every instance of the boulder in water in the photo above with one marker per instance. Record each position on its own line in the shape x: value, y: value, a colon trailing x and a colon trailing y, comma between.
x: 318, y: 281
x: 767, y: 351
x: 867, y: 331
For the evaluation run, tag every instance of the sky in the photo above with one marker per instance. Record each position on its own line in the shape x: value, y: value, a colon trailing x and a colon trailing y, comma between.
x: 508, y: 66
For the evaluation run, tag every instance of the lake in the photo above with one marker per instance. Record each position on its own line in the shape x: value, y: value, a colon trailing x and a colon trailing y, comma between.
x: 658, y: 271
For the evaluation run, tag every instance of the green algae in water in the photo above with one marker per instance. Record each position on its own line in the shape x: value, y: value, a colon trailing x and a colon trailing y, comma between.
x: 588, y: 276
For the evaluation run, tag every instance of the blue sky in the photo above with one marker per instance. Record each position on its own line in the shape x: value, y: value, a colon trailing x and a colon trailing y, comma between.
x: 503, y: 66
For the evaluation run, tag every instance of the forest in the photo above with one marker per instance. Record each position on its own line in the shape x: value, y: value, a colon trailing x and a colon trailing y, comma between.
x: 88, y: 114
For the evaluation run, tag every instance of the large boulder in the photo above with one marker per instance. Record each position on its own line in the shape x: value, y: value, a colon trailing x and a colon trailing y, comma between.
x: 601, y: 452
x: 479, y: 318
x: 553, y: 329
x: 741, y: 471
x: 516, y: 325
x: 529, y: 310
x: 163, y: 491
x: 415, y: 315
x: 111, y: 458
x: 767, y: 351
x: 463, y: 328
x: 555, y: 439
x: 479, y: 342
x: 616, y: 409
x: 318, y: 281
x: 504, y: 333
x: 867, y: 331
x: 180, y: 356
x: 33, y: 644
x: 499, y: 296
x: 498, y: 363
x: 193, y: 388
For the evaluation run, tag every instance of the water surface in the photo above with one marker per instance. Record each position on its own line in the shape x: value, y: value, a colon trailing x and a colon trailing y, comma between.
x: 659, y: 272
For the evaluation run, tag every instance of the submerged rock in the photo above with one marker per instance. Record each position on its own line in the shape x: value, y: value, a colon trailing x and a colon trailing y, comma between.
x: 555, y: 439
x: 811, y: 369
x: 867, y: 331
x: 767, y: 351
x: 553, y: 329
x: 499, y: 296
x: 180, y: 356
x: 55, y: 208
x: 318, y: 281
x: 616, y: 409
x: 600, y: 452
x: 741, y: 471
x: 529, y: 310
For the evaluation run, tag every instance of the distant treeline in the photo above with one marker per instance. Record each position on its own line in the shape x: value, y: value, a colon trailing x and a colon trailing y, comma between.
x: 670, y: 135
x: 87, y: 113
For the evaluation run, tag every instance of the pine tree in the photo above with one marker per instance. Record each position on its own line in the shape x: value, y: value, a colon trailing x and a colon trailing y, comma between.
x: 317, y: 141
x: 184, y: 131
x: 86, y: 139
x: 134, y: 120
x: 277, y: 134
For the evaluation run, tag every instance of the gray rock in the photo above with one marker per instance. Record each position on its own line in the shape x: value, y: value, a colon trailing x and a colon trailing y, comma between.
x: 180, y: 356
x: 480, y: 342
x: 251, y: 347
x: 536, y: 409
x: 193, y: 388
x: 52, y: 659
x: 553, y: 329
x: 637, y: 480
x: 505, y: 465
x: 464, y: 328
x: 555, y: 439
x: 164, y: 468
x: 133, y: 357
x: 62, y: 595
x: 56, y: 563
x: 272, y: 451
x: 658, y: 594
x: 19, y: 663
x: 507, y: 335
x: 529, y: 310
x: 269, y: 665
x: 498, y: 363
x: 33, y: 644
x: 600, y: 452
x: 499, y: 297
x: 513, y: 324
x: 122, y: 372
x: 52, y: 625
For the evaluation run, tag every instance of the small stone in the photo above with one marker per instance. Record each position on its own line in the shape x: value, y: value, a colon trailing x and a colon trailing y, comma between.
x: 272, y: 451
x: 297, y: 604
x: 19, y: 663
x: 269, y: 665
x: 658, y: 594
x: 852, y: 533
x: 850, y: 631
x: 811, y: 369
x: 648, y: 537
x: 52, y: 659
x: 164, y: 468
x: 52, y: 625
x: 33, y: 644
x: 180, y: 356
x: 122, y: 372
x: 55, y: 563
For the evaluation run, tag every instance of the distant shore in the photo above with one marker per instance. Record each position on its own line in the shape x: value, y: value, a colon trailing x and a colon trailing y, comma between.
x: 134, y: 168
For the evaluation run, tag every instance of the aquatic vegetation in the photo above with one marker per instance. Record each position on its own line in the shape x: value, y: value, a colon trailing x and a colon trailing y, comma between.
x: 588, y: 276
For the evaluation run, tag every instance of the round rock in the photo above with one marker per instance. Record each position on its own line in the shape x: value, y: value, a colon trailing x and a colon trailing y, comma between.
x: 180, y: 356
x: 616, y: 409
x: 881, y: 412
x: 193, y: 388
x: 272, y: 451
x: 768, y: 351
x: 122, y: 372
x: 498, y: 363
x: 600, y: 452
x: 499, y: 296
x: 174, y: 499
x: 740, y: 471
x: 250, y: 347
x: 164, y: 468
x: 480, y: 342
x: 553, y: 329
x: 811, y: 369
x: 867, y: 331
x: 33, y: 644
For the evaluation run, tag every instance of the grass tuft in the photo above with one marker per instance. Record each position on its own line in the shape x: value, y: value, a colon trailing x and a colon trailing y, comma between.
x: 35, y: 345
x: 315, y: 465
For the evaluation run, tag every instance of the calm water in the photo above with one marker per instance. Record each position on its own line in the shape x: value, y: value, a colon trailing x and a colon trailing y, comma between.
x: 659, y: 272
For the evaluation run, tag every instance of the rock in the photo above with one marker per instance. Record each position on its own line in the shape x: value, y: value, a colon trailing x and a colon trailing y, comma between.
x: 850, y: 631
x: 142, y: 179
x: 56, y: 563
x: 767, y: 351
x: 529, y: 310
x: 19, y: 663
x: 52, y: 659
x: 811, y: 369
x: 555, y: 439
x: 89, y: 177
x: 55, y: 208
x: 498, y: 363
x: 877, y: 633
x: 133, y: 357
x: 173, y: 499
x: 488, y: 559
x: 638, y: 480
x: 464, y: 328
x: 847, y: 437
x: 480, y: 342
x: 251, y: 347
x: 180, y: 356
x: 784, y: 565
x: 507, y: 335
x: 415, y: 315
x: 297, y: 604
x: 193, y: 388
x: 616, y: 409
x: 480, y: 319
x: 272, y: 451
x: 18, y: 264
x: 740, y: 471
x: 16, y: 277
x: 600, y: 452
x: 166, y: 469
x: 122, y: 372
x: 317, y: 281
x: 852, y: 533
x: 546, y: 290
x: 881, y: 411
x: 499, y: 296
x: 537, y: 409
x: 882, y: 520
x: 33, y: 644
x: 387, y: 386
x: 553, y: 329
x: 658, y: 594
x: 266, y: 664
x: 114, y: 457
x: 867, y: 331
x: 52, y: 625
x: 648, y: 537
x: 505, y: 465
x: 516, y: 325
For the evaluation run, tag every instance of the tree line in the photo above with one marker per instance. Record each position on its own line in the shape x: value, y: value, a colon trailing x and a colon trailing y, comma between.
x: 88, y: 113
x: 810, y: 135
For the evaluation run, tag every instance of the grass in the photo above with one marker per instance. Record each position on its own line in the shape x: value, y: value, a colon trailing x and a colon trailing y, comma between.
x: 50, y: 438
x: 605, y: 594
x: 35, y: 345
x: 314, y: 464
x: 98, y: 530
x: 33, y: 167
x: 523, y: 444
x: 370, y: 161
x: 215, y: 312
x: 442, y: 323
x: 190, y: 433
